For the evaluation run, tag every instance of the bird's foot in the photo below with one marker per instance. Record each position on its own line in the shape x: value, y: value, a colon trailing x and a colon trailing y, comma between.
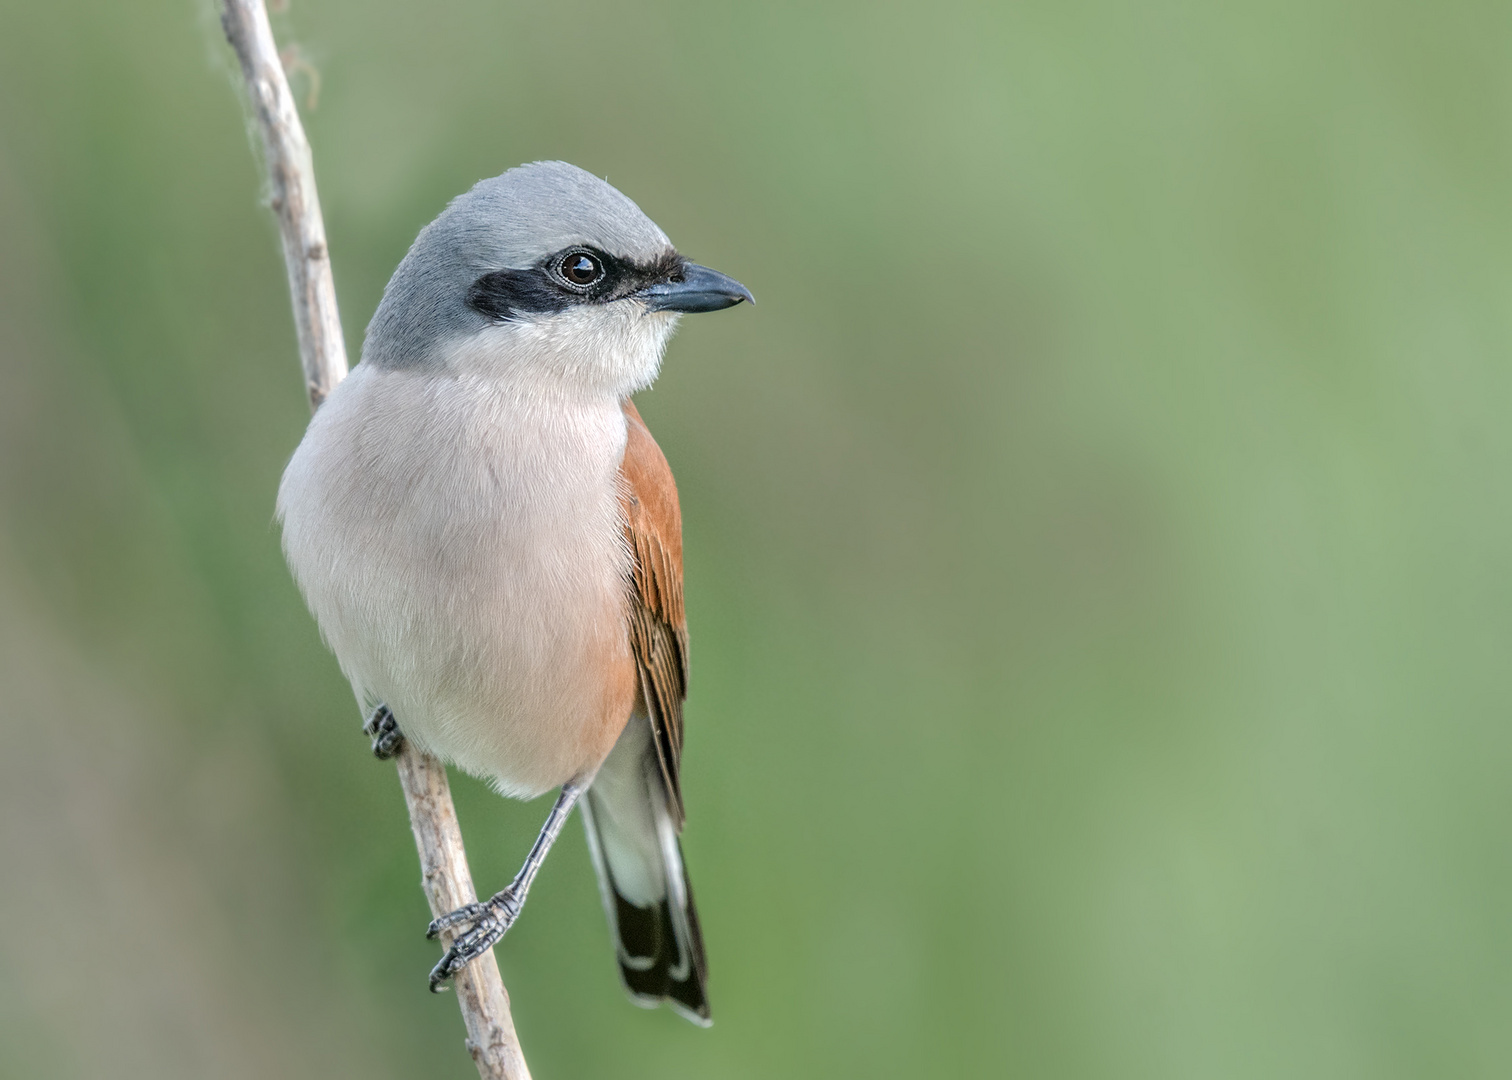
x: 383, y: 729
x: 483, y: 925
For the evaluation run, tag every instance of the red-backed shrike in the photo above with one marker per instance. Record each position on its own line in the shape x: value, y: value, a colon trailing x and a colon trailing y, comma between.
x: 491, y: 543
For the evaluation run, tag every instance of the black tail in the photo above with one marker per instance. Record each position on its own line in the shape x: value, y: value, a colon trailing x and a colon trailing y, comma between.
x: 641, y: 876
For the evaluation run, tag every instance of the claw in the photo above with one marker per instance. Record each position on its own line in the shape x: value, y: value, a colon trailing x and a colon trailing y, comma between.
x: 484, y: 924
x: 383, y: 729
x: 466, y: 913
x: 441, y: 972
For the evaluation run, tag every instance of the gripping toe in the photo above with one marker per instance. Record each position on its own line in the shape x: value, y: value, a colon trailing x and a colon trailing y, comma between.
x: 383, y: 729
x: 481, y: 926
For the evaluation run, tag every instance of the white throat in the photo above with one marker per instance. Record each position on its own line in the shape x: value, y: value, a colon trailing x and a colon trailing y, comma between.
x: 589, y: 352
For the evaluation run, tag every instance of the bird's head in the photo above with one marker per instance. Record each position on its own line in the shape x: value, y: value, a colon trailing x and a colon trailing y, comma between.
x: 546, y: 276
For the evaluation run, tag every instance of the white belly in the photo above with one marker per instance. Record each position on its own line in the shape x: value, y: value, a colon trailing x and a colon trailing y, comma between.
x: 461, y: 548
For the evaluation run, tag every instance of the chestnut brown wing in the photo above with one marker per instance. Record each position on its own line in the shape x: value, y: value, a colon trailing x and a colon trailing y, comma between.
x: 658, y: 624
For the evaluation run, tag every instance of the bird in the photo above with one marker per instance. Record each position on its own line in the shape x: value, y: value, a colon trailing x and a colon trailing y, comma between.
x: 490, y: 541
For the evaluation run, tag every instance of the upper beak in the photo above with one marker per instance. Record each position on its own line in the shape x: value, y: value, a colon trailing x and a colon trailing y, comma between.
x: 700, y: 289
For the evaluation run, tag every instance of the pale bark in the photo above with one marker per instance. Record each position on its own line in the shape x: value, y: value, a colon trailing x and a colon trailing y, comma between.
x: 444, y: 874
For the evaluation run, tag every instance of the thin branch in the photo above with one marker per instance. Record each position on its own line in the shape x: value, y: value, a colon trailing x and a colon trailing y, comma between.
x: 491, y: 1037
x: 292, y: 179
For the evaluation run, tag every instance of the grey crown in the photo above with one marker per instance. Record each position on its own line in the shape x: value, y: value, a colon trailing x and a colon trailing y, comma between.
x: 507, y: 222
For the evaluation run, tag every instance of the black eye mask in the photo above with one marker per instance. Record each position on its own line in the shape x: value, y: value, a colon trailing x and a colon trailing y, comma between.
x: 549, y: 287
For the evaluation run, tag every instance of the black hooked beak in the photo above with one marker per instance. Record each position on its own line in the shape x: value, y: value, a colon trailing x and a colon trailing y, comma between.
x: 700, y: 289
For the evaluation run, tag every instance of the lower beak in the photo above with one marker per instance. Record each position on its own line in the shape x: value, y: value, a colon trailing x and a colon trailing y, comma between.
x: 700, y: 289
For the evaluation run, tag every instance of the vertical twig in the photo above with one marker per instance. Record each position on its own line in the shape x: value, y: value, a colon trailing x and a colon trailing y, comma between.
x: 444, y: 874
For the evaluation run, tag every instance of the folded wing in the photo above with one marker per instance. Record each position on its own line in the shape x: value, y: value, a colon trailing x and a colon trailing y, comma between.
x: 634, y: 809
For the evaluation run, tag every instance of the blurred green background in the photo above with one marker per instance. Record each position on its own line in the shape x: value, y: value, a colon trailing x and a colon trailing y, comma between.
x: 1099, y: 540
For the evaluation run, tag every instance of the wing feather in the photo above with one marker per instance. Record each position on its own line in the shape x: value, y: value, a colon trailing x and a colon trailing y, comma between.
x: 658, y: 623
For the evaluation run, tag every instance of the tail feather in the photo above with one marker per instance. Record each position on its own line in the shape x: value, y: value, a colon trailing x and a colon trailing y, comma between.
x: 644, y: 883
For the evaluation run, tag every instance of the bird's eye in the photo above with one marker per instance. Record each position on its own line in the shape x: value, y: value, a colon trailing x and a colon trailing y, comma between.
x: 580, y: 268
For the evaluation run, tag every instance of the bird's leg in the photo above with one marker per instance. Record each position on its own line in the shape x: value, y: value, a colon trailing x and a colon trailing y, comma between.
x: 486, y: 922
x: 383, y: 729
